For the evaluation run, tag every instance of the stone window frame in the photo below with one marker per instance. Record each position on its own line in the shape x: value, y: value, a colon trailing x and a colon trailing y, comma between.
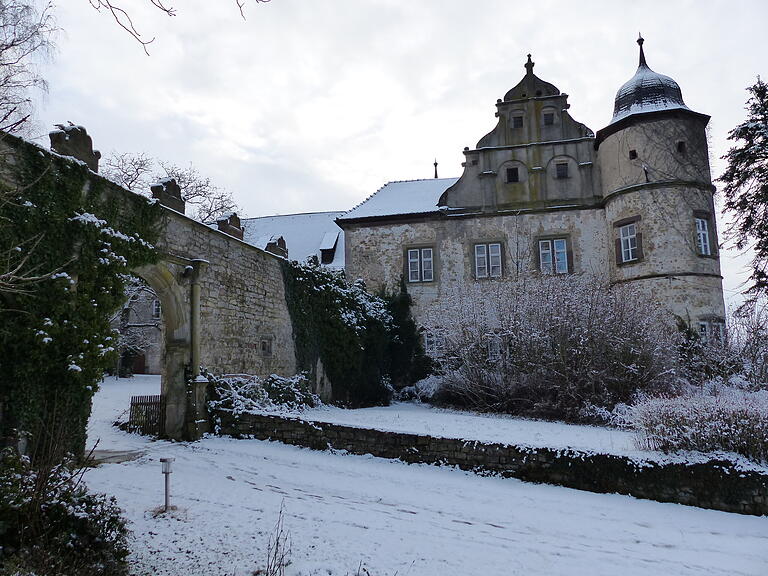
x: 705, y: 216
x: 420, y: 250
x: 486, y: 245
x: 516, y: 121
x: 623, y: 224
x: 551, y: 238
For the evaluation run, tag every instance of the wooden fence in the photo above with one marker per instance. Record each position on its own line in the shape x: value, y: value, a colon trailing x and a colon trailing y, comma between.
x: 147, y: 415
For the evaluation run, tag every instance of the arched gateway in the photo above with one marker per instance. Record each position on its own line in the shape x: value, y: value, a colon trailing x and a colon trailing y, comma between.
x: 223, y: 300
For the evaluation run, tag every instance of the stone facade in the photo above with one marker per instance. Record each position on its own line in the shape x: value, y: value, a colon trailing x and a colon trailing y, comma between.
x: 542, y: 193
x: 715, y: 484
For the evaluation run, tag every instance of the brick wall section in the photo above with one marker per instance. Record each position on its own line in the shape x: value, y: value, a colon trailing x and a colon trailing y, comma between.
x: 716, y: 484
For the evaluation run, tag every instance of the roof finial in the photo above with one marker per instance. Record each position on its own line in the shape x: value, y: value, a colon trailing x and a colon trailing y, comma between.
x: 640, y: 41
x: 529, y: 65
x: 435, y: 167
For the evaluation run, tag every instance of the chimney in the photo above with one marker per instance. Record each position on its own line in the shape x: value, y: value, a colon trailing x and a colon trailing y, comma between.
x: 230, y: 224
x: 74, y: 141
x: 169, y: 194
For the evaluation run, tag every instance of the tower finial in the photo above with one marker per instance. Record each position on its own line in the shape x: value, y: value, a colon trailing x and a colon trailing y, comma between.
x: 435, y: 167
x: 529, y: 65
x: 640, y: 41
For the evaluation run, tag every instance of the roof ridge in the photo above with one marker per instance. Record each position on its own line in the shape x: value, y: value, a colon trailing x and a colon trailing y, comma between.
x: 295, y: 214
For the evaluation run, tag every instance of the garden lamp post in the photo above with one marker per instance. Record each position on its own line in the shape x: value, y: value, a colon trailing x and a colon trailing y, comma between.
x: 166, y: 462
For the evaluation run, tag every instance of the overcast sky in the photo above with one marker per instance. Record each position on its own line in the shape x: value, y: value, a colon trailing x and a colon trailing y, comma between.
x: 314, y: 105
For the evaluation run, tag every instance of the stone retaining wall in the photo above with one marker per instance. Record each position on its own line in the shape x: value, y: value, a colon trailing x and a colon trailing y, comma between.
x: 716, y: 484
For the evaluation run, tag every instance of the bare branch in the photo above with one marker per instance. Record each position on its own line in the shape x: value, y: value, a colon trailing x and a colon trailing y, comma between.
x: 123, y: 19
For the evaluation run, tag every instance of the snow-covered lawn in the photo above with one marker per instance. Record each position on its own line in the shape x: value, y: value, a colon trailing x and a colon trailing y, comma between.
x: 342, y: 510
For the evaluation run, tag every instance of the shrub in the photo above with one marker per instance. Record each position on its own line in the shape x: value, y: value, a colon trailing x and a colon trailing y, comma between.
x: 50, y: 525
x: 244, y: 394
x: 550, y: 346
x: 708, y: 419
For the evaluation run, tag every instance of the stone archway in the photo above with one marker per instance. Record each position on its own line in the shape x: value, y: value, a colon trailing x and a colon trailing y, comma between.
x: 177, y: 334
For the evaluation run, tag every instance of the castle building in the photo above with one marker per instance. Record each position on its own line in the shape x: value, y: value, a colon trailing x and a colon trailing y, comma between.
x: 542, y: 193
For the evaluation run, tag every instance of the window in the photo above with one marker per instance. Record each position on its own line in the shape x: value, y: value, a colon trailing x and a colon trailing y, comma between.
x: 156, y: 309
x: 703, y: 246
x: 434, y: 344
x: 513, y: 174
x: 549, y: 118
x: 265, y: 346
x: 493, y: 344
x: 633, y: 154
x: 682, y: 148
x: 421, y: 265
x: 488, y: 260
x: 712, y: 331
x: 628, y: 239
x: 553, y: 256
x: 561, y: 170
x: 517, y: 121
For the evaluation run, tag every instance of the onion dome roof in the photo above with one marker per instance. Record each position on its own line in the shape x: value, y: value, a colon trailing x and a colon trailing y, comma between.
x: 647, y: 91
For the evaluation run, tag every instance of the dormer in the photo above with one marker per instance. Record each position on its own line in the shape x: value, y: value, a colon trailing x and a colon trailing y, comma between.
x: 531, y: 112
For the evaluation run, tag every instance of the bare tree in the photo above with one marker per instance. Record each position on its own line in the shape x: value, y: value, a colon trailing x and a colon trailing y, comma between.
x: 137, y: 172
x: 25, y: 30
x: 131, y: 171
x: 123, y: 18
x: 209, y: 201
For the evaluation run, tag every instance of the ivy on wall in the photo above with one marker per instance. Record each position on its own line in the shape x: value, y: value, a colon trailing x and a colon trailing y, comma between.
x: 82, y: 236
x: 365, y: 343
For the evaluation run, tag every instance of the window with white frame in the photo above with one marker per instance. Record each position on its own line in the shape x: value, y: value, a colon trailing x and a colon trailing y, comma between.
x: 488, y: 260
x: 434, y: 344
x: 629, y: 246
x: 421, y: 265
x: 703, y: 246
x: 553, y: 256
x: 712, y: 331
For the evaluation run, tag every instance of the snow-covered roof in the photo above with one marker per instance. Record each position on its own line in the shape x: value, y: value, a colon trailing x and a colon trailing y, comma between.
x: 304, y: 234
x: 403, y: 197
x: 647, y: 91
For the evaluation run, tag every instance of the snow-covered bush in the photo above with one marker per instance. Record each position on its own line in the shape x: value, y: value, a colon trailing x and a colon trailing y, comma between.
x: 748, y: 341
x: 245, y: 394
x: 550, y: 346
x: 708, y: 419
x: 50, y: 525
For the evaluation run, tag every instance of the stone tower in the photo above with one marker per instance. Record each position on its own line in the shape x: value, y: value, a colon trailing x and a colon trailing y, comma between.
x: 658, y: 197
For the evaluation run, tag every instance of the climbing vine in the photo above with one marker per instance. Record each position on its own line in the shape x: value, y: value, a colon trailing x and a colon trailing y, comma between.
x: 366, y: 344
x: 80, y: 237
x: 344, y: 327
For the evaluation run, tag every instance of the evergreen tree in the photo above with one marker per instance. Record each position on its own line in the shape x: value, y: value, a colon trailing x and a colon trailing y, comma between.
x: 746, y: 183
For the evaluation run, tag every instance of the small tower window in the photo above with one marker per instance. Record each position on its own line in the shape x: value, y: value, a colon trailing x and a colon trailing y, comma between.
x: 513, y: 174
x: 156, y: 309
x: 682, y: 148
x: 561, y: 170
x: 549, y: 118
x: 517, y: 121
x: 633, y: 154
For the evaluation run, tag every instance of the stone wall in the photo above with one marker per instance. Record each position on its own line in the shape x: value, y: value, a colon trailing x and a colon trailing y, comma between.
x: 716, y: 484
x: 245, y: 325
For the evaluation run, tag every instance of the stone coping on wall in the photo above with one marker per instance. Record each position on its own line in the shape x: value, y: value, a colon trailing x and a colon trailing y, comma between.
x: 717, y: 484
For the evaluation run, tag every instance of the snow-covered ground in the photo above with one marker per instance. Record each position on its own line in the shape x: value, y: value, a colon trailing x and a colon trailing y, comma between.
x: 345, y: 511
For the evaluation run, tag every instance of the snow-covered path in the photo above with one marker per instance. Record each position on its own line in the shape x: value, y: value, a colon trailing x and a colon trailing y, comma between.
x: 342, y: 510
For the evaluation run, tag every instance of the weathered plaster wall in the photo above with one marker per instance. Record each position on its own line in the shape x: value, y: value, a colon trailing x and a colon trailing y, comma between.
x: 376, y: 253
